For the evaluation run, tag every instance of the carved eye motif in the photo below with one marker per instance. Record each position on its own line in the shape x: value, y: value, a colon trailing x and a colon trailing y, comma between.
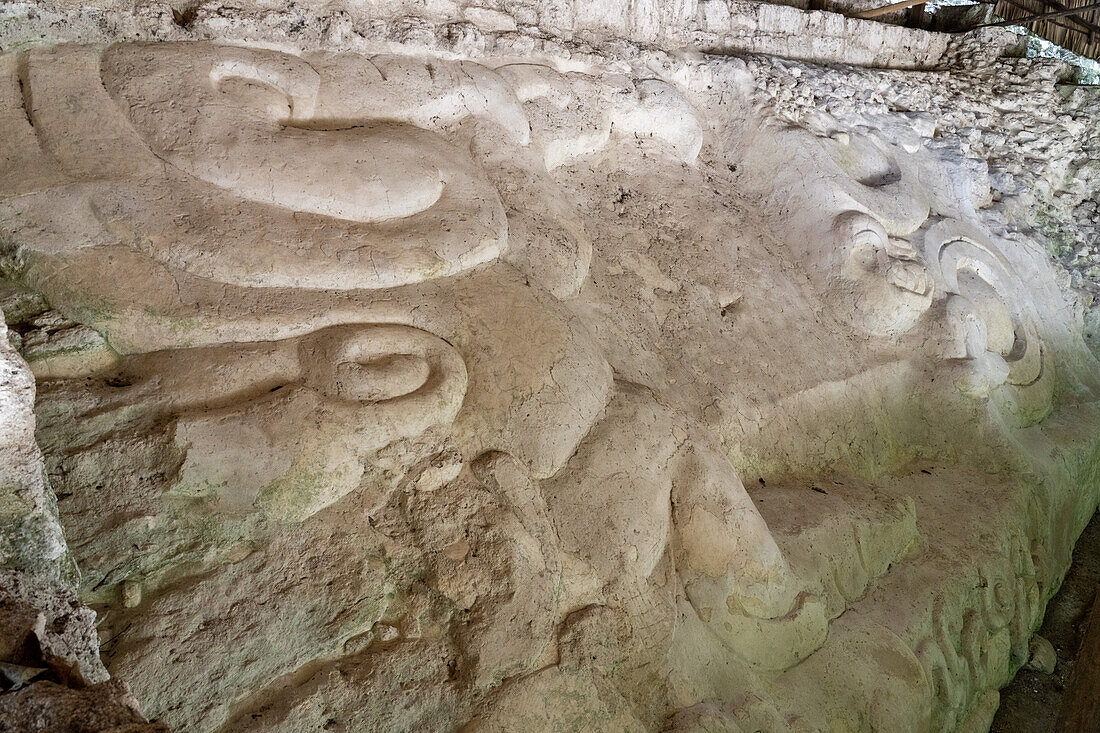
x: 883, y: 179
x: 865, y: 161
x: 885, y: 287
x: 297, y: 449
x: 386, y: 364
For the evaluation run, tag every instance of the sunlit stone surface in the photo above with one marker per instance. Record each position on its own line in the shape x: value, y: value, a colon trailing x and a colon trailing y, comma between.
x: 495, y: 375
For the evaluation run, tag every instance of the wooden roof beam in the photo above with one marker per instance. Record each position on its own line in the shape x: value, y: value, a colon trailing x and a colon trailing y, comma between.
x: 1092, y: 28
x: 1041, y: 16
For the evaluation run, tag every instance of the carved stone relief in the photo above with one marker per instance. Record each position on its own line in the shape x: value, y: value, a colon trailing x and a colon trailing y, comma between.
x: 416, y: 391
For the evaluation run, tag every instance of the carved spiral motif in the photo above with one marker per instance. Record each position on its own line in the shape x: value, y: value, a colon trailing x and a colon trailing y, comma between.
x: 989, y: 322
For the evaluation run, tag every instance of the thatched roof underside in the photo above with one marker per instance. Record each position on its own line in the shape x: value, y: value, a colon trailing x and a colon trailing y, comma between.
x: 1079, y: 32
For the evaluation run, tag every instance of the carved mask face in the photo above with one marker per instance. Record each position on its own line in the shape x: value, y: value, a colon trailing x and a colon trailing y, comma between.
x: 260, y: 196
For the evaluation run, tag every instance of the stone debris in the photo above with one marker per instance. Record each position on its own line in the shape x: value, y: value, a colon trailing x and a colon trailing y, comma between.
x: 1043, y: 657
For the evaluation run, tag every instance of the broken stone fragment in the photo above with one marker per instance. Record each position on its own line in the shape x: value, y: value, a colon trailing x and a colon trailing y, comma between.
x: 1042, y: 658
x: 48, y: 706
x: 47, y: 628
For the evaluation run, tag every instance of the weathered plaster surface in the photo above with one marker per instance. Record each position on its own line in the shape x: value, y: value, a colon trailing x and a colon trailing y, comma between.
x: 525, y: 367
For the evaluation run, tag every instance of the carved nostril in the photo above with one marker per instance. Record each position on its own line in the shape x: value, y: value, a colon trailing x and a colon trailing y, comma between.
x: 909, y: 276
x: 862, y: 236
x: 378, y: 379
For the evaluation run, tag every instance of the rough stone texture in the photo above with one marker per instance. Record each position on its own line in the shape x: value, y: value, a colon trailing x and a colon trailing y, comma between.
x: 47, y: 706
x: 33, y: 542
x: 567, y: 30
x: 1020, y: 122
x: 51, y: 675
x: 508, y: 368
x: 1032, y: 701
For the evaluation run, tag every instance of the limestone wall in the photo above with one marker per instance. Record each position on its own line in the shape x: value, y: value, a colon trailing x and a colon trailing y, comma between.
x: 521, y: 28
x: 541, y: 368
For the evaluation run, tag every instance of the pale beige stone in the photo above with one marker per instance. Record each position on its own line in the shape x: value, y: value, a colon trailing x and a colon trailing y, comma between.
x: 452, y: 376
x: 1042, y: 657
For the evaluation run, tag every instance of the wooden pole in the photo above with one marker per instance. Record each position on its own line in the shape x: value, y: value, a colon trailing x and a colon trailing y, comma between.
x: 914, y: 16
